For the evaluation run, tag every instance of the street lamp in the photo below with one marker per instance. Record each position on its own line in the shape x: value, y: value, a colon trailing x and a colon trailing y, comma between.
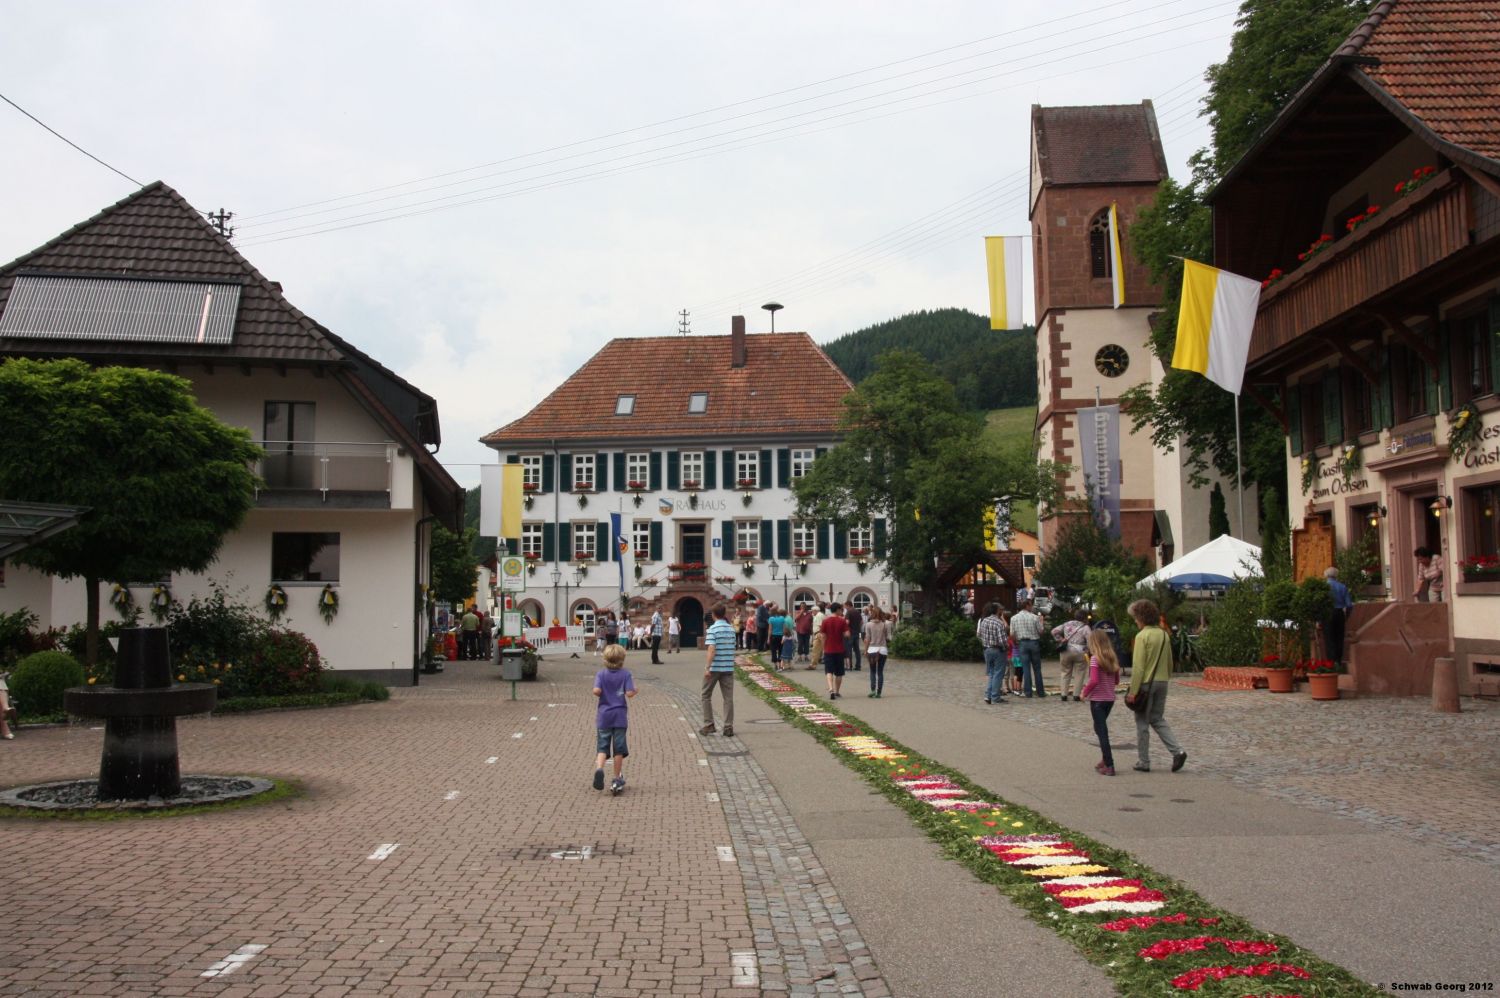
x: 556, y: 581
x: 793, y: 571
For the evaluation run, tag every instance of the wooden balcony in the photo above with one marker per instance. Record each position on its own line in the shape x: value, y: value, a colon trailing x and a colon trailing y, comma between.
x: 1413, y: 235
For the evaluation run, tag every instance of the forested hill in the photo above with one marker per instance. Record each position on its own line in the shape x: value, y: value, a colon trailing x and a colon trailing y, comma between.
x: 989, y: 369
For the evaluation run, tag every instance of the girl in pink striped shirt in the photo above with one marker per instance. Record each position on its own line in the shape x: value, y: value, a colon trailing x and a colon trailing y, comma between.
x: 1099, y: 691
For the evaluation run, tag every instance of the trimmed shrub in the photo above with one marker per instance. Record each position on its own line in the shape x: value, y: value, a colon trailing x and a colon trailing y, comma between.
x: 945, y: 636
x: 40, y: 678
x: 1232, y: 637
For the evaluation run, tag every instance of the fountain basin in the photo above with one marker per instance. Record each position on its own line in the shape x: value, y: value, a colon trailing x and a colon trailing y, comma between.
x: 107, y: 701
x: 83, y: 795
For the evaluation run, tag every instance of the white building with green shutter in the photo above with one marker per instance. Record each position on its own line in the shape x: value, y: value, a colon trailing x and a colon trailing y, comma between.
x: 695, y: 441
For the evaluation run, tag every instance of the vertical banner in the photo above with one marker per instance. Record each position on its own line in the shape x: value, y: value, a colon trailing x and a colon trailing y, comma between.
x: 489, y: 500
x: 1002, y: 256
x: 1116, y: 261
x: 620, y: 545
x: 510, y: 503
x: 1099, y: 442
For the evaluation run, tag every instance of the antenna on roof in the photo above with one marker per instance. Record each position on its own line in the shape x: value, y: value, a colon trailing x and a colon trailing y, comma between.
x: 220, y: 221
x: 683, y: 325
x: 773, y: 307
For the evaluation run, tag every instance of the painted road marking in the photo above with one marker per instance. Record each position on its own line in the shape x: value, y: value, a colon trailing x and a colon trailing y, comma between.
x: 746, y: 974
x: 713, y: 798
x: 492, y: 760
x: 234, y: 961
x: 516, y: 735
x: 586, y: 852
x: 726, y: 854
x: 533, y: 719
x: 703, y: 762
x: 384, y: 850
x: 451, y: 795
x: 692, y: 734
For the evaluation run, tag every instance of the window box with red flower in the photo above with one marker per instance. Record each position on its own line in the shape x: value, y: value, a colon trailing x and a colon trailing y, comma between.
x: 1481, y: 568
x: 530, y: 487
x: 692, y: 483
x: 746, y: 483
x: 802, y: 553
x: 724, y: 580
x: 1318, y: 245
x: 1275, y: 275
x: 1418, y: 177
x: 1369, y: 213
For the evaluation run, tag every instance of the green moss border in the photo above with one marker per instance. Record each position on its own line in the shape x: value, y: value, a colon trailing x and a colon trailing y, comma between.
x: 1115, y: 952
x: 282, y: 790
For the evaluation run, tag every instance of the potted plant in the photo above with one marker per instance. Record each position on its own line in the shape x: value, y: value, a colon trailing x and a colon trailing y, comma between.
x: 1279, y: 624
x: 1278, y: 674
x: 1322, y: 678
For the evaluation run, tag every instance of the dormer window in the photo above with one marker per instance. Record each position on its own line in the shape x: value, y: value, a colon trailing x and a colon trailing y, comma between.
x: 698, y: 402
x: 625, y: 405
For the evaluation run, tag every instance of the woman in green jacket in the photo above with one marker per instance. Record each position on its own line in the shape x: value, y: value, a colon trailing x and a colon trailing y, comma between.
x: 1149, y: 674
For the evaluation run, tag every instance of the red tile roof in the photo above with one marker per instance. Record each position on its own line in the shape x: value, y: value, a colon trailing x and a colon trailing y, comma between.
x: 1099, y: 144
x: 788, y: 387
x: 1440, y: 59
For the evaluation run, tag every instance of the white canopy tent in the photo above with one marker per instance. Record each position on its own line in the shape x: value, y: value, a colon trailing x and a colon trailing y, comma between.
x: 1210, y: 568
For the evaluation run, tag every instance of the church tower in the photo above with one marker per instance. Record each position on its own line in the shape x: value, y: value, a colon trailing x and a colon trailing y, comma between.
x: 1083, y: 160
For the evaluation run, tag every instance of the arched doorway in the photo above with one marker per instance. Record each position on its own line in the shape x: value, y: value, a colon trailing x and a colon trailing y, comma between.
x: 532, y: 610
x: 804, y: 597
x: 690, y: 612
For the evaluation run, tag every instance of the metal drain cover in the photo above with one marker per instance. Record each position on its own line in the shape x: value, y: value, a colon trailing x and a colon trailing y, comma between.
x: 1129, y: 809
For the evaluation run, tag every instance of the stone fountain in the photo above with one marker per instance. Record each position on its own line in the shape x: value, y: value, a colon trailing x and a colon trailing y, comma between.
x: 139, y: 764
x: 140, y: 714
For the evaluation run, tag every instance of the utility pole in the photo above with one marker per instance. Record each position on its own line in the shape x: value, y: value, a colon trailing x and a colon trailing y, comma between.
x: 683, y: 325
x: 220, y: 221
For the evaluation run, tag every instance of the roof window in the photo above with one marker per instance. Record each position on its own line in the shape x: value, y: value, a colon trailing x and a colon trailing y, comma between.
x: 698, y: 402
x: 625, y: 405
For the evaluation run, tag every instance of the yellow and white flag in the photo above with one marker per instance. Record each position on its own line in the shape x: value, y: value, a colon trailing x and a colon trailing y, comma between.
x: 1003, y: 258
x: 1214, y: 324
x: 1116, y: 261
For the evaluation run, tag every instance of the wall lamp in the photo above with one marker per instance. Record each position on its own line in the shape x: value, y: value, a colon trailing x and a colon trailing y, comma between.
x: 1439, y: 504
x: 1377, y: 513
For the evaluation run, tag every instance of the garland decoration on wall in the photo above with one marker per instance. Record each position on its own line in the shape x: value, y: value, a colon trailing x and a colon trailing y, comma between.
x: 275, y: 602
x: 328, y: 603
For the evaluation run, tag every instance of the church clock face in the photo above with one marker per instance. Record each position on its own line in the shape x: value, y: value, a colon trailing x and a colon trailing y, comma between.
x: 1112, y: 360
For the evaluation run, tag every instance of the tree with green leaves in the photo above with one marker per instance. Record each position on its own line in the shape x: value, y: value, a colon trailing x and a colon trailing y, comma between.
x: 1082, y: 545
x: 453, y: 568
x: 1277, y: 46
x: 164, y: 481
x: 1218, y: 515
x: 913, y: 456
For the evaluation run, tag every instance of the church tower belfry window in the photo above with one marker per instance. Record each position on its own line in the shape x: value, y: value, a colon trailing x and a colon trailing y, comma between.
x: 1099, y: 257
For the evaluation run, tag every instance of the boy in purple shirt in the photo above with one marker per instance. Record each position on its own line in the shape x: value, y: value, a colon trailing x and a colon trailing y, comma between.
x: 613, y: 686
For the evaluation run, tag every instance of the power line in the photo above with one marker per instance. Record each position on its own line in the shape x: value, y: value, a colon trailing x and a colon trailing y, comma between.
x: 715, y: 110
x: 1033, y: 55
x: 69, y: 141
x: 448, y: 202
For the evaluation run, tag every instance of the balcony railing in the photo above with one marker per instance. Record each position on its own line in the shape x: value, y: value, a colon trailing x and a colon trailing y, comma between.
x: 1417, y: 233
x: 327, y: 467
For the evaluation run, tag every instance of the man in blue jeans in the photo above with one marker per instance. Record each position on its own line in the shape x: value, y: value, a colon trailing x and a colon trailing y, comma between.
x: 991, y: 633
x: 1026, y: 628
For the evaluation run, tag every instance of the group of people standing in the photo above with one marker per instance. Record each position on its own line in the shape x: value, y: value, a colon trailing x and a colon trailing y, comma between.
x: 1097, y: 645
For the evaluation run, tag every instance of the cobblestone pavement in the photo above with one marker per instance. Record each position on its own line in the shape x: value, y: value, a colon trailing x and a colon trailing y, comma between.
x: 448, y: 842
x: 1391, y: 762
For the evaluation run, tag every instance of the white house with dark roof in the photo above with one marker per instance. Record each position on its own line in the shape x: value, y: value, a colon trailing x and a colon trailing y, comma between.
x: 695, y: 441
x: 350, y: 488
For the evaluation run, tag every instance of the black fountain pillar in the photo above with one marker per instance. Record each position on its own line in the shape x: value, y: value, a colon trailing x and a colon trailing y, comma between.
x: 140, y: 717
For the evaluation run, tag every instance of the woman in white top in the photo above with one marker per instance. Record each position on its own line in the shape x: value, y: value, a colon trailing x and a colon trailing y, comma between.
x: 877, y: 638
x: 5, y: 731
x: 674, y: 633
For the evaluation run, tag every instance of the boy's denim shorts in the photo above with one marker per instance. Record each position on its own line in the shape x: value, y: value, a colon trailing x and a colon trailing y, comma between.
x: 612, y: 743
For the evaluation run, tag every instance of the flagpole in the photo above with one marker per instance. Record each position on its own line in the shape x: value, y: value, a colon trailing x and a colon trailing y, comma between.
x: 1239, y: 483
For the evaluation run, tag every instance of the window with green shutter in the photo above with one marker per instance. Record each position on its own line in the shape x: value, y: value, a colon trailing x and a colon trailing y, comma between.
x: 549, y: 542
x: 547, y: 471
x: 726, y: 538
x: 621, y: 477
x: 674, y: 478
x: 783, y: 467
x: 655, y: 471
x: 764, y: 478
x: 564, y: 542
x: 880, y: 538
x: 823, y: 529
x: 603, y: 549
x: 765, y: 539
x: 1333, y: 407
x: 658, y: 553
x: 784, y: 539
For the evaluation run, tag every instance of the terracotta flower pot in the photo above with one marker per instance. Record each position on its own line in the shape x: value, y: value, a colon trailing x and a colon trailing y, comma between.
x: 1279, y: 680
x: 1323, y: 685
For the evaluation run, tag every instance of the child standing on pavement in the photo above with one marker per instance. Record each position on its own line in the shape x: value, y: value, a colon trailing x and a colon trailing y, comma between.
x: 613, y: 686
x: 1099, y: 691
x: 788, y: 644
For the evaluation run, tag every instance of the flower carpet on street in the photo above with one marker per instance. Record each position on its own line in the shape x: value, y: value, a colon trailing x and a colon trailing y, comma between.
x: 1077, y: 887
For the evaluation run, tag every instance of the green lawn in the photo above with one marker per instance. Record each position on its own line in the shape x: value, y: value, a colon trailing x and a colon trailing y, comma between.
x: 1009, y: 426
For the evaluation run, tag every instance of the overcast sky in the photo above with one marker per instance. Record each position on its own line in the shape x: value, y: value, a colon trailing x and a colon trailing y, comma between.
x: 595, y: 167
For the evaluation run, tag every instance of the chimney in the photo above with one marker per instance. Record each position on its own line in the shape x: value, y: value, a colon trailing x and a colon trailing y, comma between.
x: 737, y: 341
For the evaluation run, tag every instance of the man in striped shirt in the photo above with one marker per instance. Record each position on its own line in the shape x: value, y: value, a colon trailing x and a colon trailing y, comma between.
x: 991, y: 632
x: 1026, y: 628
x: 720, y: 672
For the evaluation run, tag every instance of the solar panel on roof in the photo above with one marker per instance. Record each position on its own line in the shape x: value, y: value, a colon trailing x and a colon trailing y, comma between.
x: 93, y: 308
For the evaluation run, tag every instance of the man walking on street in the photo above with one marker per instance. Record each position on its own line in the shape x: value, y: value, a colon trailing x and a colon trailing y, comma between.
x: 656, y: 637
x: 856, y: 625
x: 1026, y: 628
x: 720, y: 672
x: 992, y: 636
